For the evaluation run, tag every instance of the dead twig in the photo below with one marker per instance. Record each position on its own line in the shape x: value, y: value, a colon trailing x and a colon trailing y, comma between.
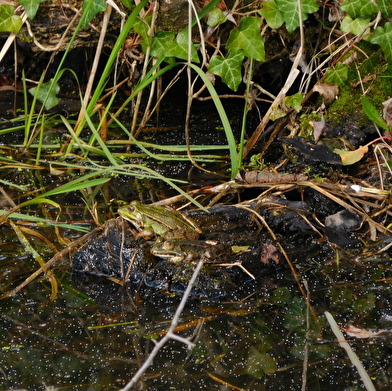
x: 170, y: 333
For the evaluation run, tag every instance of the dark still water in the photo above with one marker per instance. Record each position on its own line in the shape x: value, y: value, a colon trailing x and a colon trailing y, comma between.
x: 264, y: 336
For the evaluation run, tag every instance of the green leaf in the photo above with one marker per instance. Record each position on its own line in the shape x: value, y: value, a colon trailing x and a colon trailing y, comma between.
x: 359, y: 8
x: 141, y: 27
x: 128, y: 3
x: 294, y: 101
x: 338, y: 75
x: 160, y: 42
x: 46, y: 93
x: 248, y: 38
x: 295, y: 316
x: 289, y: 10
x: 385, y: 7
x: 276, y: 113
x: 166, y: 44
x: 269, y: 10
x: 281, y: 296
x: 31, y: 7
x: 383, y: 37
x: 372, y: 113
x: 179, y: 48
x: 229, y: 69
x: 259, y: 363
x: 8, y: 21
x: 97, y: 6
x: 355, y: 26
x: 215, y: 17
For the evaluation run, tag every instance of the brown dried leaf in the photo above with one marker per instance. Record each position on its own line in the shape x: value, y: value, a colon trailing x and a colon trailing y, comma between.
x: 387, y: 111
x: 269, y: 253
x: 318, y: 128
x: 364, y: 80
x: 356, y: 332
x: 328, y: 91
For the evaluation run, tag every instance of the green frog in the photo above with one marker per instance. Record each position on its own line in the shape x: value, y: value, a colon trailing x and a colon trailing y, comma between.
x: 177, y: 251
x: 156, y: 220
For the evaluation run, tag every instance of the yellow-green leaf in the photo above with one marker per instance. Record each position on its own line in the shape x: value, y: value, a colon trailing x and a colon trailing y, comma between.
x: 351, y: 157
x: 215, y: 17
x: 8, y: 21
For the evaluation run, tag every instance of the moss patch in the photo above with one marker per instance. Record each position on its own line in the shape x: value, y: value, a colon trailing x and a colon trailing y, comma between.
x: 376, y: 82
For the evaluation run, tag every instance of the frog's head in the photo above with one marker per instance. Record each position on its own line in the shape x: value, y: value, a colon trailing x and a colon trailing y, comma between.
x: 168, y: 249
x: 132, y: 214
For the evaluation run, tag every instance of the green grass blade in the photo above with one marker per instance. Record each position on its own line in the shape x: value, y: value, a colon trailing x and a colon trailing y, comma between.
x: 223, y: 116
x: 97, y: 137
x: 111, y: 60
x: 77, y: 184
x: 40, y: 220
x: 173, y: 148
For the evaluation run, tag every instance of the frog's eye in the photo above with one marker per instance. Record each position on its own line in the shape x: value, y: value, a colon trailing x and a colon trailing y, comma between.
x: 168, y: 245
x: 131, y: 209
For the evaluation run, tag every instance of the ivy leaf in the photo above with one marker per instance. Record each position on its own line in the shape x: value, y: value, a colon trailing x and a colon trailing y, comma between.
x: 281, y: 296
x: 179, y: 48
x: 359, y: 8
x: 8, y: 21
x: 46, y: 94
x: 160, y: 42
x: 248, y: 38
x: 31, y: 7
x: 229, y: 69
x: 355, y: 26
x: 141, y: 27
x: 289, y: 10
x: 215, y: 17
x: 259, y: 363
x: 269, y: 10
x: 338, y: 75
x: 383, y: 37
x: 97, y: 6
x: 295, y: 316
x: 385, y: 7
x: 294, y: 101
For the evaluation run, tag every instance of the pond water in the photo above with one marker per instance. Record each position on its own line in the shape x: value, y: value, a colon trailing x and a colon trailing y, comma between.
x: 265, y: 337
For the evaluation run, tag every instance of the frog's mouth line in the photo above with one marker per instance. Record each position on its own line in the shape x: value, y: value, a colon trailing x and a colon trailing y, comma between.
x: 134, y: 222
